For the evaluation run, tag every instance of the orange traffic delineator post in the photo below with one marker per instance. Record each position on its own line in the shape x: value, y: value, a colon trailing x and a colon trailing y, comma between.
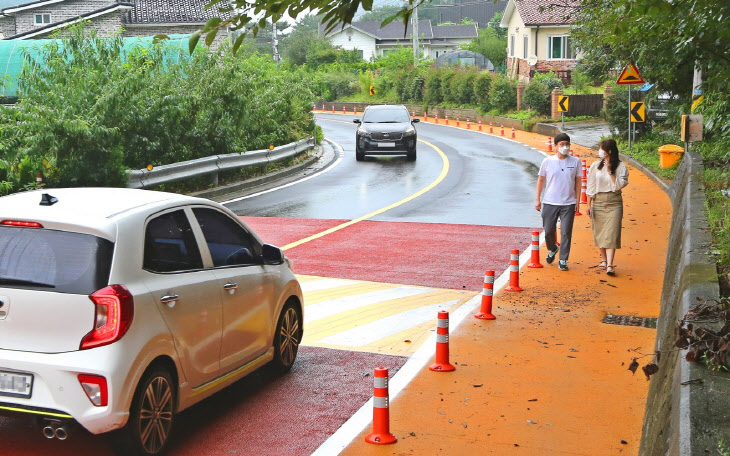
x: 442, y: 344
x: 583, y: 188
x: 436, y: 117
x: 343, y: 109
x: 584, y: 168
x: 446, y: 119
x: 468, y: 124
x: 535, y: 253
x: 323, y: 108
x: 502, y: 129
x: 491, y: 130
x: 570, y: 152
x: 333, y: 108
x: 550, y: 144
x: 381, y: 416
x: 513, y: 132
x: 485, y: 312
x: 413, y: 113
x: 425, y: 116
x: 39, y: 180
x: 457, y: 121
x: 514, y: 271
x: 480, y: 125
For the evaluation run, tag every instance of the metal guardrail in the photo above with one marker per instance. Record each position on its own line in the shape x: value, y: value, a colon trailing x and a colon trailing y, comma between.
x: 212, y: 165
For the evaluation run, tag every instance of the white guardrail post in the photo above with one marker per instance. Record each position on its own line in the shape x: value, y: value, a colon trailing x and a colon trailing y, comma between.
x: 143, y: 178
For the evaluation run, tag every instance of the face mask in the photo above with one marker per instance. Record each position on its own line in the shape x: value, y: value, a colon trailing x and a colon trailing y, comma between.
x: 601, y: 153
x: 564, y: 150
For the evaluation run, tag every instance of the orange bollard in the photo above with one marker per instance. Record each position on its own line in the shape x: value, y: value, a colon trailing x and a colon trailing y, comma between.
x: 584, y: 168
x: 485, y: 312
x: 39, y: 180
x: 570, y: 152
x: 436, y: 117
x: 333, y: 108
x: 513, y: 132
x: 550, y: 144
x: 468, y: 124
x: 491, y: 130
x: 354, y: 110
x: 343, y: 109
x: 583, y: 188
x: 514, y: 271
x: 446, y: 119
x: 535, y: 254
x: 502, y: 129
x: 480, y: 125
x: 442, y: 344
x: 425, y: 116
x: 457, y: 121
x: 323, y: 108
x: 381, y: 416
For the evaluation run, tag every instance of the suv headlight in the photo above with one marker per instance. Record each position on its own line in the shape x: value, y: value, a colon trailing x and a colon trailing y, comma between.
x: 363, y: 133
x: 410, y: 131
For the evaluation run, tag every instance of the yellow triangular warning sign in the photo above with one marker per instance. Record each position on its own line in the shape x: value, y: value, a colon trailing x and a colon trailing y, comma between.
x: 630, y: 75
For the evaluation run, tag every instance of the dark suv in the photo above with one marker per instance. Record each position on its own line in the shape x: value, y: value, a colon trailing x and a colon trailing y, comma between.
x: 385, y: 130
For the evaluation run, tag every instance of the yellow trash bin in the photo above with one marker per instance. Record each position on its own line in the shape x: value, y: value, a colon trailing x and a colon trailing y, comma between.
x: 669, y: 154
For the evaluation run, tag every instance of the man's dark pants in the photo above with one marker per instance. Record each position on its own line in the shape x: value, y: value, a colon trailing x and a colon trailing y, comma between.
x: 550, y: 216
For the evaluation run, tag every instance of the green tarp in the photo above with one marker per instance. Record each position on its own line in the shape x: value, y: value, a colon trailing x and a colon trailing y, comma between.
x: 12, y: 56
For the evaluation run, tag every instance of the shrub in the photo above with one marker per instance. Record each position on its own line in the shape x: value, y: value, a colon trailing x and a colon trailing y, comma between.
x: 537, y: 97
x: 503, y: 94
x: 482, y: 85
x: 432, y: 93
x: 447, y: 74
x: 550, y: 80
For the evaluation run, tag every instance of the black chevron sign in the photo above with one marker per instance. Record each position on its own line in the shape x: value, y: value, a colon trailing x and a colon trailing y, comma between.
x: 563, y: 103
x: 638, y: 111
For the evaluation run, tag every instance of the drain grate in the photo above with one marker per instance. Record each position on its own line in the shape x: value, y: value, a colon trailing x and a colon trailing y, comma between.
x: 628, y: 320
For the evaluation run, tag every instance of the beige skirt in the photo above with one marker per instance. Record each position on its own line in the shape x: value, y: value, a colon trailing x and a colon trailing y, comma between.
x: 607, y: 212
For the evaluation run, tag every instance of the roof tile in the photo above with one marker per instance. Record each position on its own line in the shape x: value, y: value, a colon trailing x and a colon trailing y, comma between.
x: 547, y: 12
x: 173, y: 11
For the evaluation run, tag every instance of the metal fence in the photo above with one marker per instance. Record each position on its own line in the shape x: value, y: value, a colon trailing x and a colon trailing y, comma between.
x: 214, y: 164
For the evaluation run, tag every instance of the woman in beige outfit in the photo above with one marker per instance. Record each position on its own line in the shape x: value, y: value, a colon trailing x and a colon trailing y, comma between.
x: 606, y: 178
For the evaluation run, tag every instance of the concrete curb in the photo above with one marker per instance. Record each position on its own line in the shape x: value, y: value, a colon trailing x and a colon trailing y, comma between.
x: 257, y: 181
x: 681, y: 418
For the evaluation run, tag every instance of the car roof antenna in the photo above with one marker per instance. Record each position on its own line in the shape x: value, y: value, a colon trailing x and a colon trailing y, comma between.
x: 48, y: 200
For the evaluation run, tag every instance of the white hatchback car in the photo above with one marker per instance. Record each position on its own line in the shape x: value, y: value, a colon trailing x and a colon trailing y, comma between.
x: 120, y: 308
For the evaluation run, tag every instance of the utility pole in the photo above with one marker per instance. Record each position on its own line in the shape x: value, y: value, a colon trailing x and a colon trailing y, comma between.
x: 275, y: 44
x: 414, y: 19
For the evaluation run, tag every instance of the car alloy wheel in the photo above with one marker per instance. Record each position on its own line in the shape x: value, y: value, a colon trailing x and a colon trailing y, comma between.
x: 151, y: 416
x: 287, y: 338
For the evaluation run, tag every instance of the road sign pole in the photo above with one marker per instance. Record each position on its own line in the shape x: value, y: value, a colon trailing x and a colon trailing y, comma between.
x: 562, y: 117
x: 628, y: 132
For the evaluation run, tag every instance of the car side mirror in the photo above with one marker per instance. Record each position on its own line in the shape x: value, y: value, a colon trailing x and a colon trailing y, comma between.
x: 357, y: 121
x: 272, y: 254
x: 416, y: 120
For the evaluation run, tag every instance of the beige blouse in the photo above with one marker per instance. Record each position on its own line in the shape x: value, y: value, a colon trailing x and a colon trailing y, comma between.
x: 599, y: 181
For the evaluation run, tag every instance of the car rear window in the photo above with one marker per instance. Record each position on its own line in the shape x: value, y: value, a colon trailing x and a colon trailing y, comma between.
x: 50, y: 260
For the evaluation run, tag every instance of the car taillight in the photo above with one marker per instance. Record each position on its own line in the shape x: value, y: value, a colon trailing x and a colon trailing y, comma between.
x: 114, y: 311
x: 95, y: 388
x: 21, y: 223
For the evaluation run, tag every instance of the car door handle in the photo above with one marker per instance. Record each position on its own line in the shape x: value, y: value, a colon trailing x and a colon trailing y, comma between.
x: 230, y: 286
x: 170, y: 300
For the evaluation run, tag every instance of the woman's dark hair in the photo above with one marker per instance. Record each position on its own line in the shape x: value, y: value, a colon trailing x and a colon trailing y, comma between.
x: 609, y: 145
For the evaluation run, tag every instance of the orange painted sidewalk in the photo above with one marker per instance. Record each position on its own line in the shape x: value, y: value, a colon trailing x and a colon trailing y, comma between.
x: 547, y: 377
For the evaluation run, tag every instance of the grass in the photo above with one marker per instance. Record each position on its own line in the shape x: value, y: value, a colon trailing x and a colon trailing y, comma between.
x: 646, y: 151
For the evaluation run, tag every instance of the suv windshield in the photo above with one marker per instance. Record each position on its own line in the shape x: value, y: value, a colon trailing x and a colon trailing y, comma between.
x: 59, y: 261
x: 386, y: 116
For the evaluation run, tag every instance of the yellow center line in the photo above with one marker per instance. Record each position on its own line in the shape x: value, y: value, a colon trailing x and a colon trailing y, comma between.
x: 442, y: 176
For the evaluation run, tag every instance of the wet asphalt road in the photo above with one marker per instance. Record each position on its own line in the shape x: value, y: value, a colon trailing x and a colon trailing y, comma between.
x: 490, y: 181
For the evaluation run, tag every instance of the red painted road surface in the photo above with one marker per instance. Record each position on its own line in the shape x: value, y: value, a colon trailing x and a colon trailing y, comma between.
x: 427, y: 254
x: 263, y: 415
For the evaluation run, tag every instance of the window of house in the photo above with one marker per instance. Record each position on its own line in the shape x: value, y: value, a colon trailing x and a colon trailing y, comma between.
x: 511, y: 45
x: 360, y: 53
x: 42, y: 19
x: 524, y: 46
x: 560, y: 47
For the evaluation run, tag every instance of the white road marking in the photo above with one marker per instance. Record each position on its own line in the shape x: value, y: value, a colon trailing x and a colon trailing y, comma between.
x: 366, y: 334
x: 341, y: 154
x: 335, y: 306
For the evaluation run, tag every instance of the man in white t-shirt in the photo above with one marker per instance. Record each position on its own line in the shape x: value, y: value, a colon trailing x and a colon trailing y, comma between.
x: 560, y: 176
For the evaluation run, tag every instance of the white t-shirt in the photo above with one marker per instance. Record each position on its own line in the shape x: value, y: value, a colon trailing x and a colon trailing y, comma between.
x: 560, y: 178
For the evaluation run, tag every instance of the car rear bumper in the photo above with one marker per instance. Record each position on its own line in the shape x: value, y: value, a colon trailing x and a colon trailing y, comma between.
x: 56, y: 392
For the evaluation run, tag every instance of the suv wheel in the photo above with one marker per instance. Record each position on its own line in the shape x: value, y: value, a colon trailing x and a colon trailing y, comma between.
x: 287, y: 338
x: 151, y: 415
x: 359, y: 154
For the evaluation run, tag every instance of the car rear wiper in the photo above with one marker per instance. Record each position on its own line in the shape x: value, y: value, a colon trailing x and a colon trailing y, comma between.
x: 16, y: 281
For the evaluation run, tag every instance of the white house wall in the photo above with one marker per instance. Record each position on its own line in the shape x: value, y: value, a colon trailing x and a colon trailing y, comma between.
x: 358, y: 41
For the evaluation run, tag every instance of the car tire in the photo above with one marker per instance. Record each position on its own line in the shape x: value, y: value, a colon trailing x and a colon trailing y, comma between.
x: 150, y: 417
x: 287, y: 338
x: 412, y: 155
x: 359, y: 154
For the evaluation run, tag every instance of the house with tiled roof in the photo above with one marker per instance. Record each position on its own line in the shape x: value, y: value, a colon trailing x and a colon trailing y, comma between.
x: 538, y: 37
x: 371, y: 41
x: 42, y: 18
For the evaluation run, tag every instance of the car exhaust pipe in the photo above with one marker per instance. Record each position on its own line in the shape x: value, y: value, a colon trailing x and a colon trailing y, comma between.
x: 62, y: 432
x: 49, y: 431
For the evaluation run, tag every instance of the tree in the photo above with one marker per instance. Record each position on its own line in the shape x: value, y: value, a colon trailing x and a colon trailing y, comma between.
x: 489, y: 45
x: 666, y: 40
x: 380, y: 13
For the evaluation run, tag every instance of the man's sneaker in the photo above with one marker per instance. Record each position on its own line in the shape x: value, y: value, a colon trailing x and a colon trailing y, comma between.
x: 563, y: 265
x: 551, y: 256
